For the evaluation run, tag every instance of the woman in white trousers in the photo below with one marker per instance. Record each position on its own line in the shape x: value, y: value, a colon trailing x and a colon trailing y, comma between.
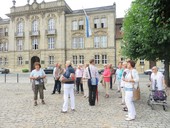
x: 122, y: 85
x: 68, y: 91
x: 69, y: 87
x: 85, y: 79
x: 130, y: 79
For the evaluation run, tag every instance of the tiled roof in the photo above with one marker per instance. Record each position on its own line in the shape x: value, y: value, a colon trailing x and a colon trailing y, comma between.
x: 94, y: 9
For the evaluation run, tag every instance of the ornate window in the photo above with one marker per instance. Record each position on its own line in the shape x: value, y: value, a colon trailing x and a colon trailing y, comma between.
x: 1, y: 61
x: 103, y: 41
x: 74, y: 25
x: 74, y: 59
x: 20, y: 27
x: 51, y: 24
x: 1, y: 46
x: 1, y: 32
x: 34, y: 43
x: 78, y: 42
x: 51, y: 59
x: 6, y: 31
x: 81, y: 42
x: 81, y: 24
x: 5, y: 46
x: 5, y: 61
x: 104, y: 59
x: 19, y: 45
x: 103, y: 23
x: 97, y: 59
x: 142, y: 62
x: 35, y: 26
x: 100, y: 41
x: 81, y: 59
x: 96, y: 42
x: 51, y: 42
x: 20, y: 60
x: 74, y: 43
x: 97, y: 23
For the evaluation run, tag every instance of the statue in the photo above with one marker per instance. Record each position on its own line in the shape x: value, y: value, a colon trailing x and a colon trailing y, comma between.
x: 28, y: 1
x: 14, y: 2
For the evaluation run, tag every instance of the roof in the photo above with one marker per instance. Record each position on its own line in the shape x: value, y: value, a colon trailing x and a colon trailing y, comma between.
x: 4, y: 21
x: 94, y: 9
x: 119, y: 21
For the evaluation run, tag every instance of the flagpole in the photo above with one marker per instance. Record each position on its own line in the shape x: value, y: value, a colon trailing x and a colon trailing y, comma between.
x: 88, y: 29
x: 84, y: 11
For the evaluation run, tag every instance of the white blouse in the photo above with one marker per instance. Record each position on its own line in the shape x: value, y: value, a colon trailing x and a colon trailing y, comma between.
x: 157, y: 80
x: 132, y: 74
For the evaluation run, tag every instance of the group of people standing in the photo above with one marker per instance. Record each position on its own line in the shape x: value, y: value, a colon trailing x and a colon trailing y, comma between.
x: 86, y: 78
x: 127, y: 79
x: 81, y: 77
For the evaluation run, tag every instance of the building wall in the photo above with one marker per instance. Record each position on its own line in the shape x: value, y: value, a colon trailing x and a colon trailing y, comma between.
x: 63, y: 16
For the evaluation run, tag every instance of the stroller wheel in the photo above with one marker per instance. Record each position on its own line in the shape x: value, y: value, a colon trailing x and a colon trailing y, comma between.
x: 152, y: 107
x: 165, y: 107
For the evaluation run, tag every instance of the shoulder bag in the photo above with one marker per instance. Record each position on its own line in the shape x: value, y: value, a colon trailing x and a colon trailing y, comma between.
x: 93, y: 80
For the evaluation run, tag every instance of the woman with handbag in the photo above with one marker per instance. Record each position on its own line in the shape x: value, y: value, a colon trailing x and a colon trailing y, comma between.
x: 37, y: 76
x: 68, y: 80
x: 130, y: 79
x: 93, y: 77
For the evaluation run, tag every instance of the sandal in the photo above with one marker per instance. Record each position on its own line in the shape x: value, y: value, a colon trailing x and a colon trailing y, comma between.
x: 43, y: 102
x: 35, y: 103
x: 125, y: 109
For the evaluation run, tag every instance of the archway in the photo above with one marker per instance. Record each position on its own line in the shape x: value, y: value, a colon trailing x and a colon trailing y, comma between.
x: 33, y: 60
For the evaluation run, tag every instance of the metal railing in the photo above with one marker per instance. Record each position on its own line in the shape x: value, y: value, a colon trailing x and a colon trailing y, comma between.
x: 21, y: 78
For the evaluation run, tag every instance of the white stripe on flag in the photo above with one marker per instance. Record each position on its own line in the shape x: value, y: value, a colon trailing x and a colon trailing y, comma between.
x: 88, y: 29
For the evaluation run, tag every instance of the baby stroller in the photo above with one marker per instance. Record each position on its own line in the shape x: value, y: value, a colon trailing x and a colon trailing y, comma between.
x: 157, y: 97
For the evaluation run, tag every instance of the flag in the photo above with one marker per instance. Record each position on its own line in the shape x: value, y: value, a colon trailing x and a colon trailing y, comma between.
x: 88, y: 29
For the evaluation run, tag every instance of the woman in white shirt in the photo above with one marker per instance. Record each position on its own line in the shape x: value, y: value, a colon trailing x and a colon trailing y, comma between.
x: 37, y: 76
x: 130, y: 79
x: 157, y: 79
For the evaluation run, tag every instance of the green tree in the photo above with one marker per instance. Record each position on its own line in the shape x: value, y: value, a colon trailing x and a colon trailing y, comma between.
x: 147, y: 33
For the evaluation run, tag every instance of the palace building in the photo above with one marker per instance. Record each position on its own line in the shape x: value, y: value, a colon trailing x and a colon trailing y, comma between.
x: 51, y: 32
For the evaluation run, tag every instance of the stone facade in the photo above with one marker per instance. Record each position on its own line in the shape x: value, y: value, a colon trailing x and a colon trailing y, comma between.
x: 52, y: 33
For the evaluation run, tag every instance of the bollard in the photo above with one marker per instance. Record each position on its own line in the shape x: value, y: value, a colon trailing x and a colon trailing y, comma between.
x: 5, y: 77
x: 17, y: 78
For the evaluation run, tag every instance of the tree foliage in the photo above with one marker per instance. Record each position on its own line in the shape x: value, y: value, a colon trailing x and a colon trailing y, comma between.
x: 146, y: 30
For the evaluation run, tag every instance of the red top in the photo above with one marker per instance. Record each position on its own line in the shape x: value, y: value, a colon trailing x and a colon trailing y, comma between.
x: 106, y: 75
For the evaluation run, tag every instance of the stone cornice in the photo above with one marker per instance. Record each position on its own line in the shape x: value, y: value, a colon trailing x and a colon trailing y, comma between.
x: 37, y: 8
x: 32, y: 12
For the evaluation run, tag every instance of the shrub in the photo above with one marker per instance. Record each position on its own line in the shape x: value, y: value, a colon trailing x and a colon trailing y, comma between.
x: 25, y: 70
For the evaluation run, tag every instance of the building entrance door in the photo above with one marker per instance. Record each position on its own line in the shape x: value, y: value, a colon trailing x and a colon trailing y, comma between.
x: 33, y: 60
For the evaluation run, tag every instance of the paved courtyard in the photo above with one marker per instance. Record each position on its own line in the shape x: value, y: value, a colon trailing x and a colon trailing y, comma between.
x: 17, y: 110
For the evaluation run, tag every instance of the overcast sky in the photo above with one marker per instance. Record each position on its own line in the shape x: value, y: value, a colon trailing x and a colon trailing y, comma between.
x: 121, y: 5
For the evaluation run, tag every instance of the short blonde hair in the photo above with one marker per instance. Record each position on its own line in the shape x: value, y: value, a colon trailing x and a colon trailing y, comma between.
x: 124, y: 63
x: 68, y: 62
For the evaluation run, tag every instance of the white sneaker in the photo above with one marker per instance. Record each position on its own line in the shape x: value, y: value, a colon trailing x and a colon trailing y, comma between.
x: 127, y: 116
x: 129, y: 119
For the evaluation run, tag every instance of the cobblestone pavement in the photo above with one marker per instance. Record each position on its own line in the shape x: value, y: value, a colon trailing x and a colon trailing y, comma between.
x: 17, y: 110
